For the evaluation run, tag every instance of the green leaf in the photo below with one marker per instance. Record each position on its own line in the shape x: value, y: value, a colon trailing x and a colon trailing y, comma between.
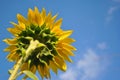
x: 10, y: 71
x: 30, y: 75
x: 37, y: 30
x: 23, y: 51
x: 40, y: 45
x: 47, y: 31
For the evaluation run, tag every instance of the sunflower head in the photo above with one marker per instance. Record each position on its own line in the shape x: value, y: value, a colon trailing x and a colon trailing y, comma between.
x: 46, y: 30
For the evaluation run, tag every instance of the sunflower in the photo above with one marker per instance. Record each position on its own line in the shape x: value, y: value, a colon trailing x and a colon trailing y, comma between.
x: 54, y: 43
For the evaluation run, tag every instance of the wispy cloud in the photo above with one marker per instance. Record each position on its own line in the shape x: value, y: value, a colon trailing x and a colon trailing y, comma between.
x: 111, y: 10
x: 91, y: 65
x: 87, y: 68
x: 69, y: 75
x: 102, y: 46
x: 116, y: 0
x: 110, y: 13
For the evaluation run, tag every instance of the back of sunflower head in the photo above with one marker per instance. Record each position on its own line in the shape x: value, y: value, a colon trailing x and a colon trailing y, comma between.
x: 39, y: 44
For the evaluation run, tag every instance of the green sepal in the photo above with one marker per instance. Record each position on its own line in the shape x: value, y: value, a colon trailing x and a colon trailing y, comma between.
x: 47, y: 31
x: 42, y: 62
x: 37, y: 30
x: 30, y: 33
x: 54, y: 52
x: 43, y: 26
x: 23, y: 52
x: 32, y: 27
x: 10, y: 71
x: 24, y: 40
x: 29, y: 63
x: 23, y: 33
x: 40, y: 45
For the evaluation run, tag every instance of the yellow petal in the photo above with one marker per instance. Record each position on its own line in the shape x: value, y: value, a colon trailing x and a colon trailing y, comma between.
x: 13, y: 56
x: 38, y: 17
x: 24, y: 67
x: 60, y: 62
x: 64, y: 49
x: 53, y: 66
x: 17, y: 26
x: 64, y: 55
x: 33, y: 69
x: 10, y: 48
x: 22, y: 25
x: 21, y: 19
x: 69, y: 52
x: 68, y: 46
x: 56, y: 30
x: 67, y: 40
x: 53, y: 20
x: 58, y: 23
x: 40, y: 70
x: 14, y: 31
x: 43, y: 14
x: 48, y: 17
x: 36, y: 10
x: 65, y: 34
x: 46, y: 71
x: 48, y: 20
x: 54, y: 17
x: 31, y: 16
x: 10, y: 41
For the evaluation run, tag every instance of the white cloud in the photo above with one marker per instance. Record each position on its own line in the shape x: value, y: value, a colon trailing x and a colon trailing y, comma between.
x: 112, y: 10
x: 69, y: 75
x: 87, y: 68
x: 90, y: 65
x: 110, y: 13
x: 102, y: 45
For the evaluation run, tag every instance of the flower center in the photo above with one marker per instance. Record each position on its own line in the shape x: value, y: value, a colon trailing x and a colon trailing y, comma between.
x: 41, y: 55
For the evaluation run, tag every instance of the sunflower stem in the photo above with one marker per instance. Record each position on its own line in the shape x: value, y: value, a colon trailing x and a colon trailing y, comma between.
x: 33, y: 45
x: 14, y: 73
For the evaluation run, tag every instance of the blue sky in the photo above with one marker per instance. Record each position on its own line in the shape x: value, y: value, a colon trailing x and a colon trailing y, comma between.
x: 96, y: 25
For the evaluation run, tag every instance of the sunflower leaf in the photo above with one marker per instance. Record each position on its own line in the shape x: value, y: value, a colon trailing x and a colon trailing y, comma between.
x: 30, y: 75
x: 40, y: 45
x: 10, y: 71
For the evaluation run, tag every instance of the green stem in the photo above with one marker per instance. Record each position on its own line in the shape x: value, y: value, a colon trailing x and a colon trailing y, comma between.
x: 33, y: 45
